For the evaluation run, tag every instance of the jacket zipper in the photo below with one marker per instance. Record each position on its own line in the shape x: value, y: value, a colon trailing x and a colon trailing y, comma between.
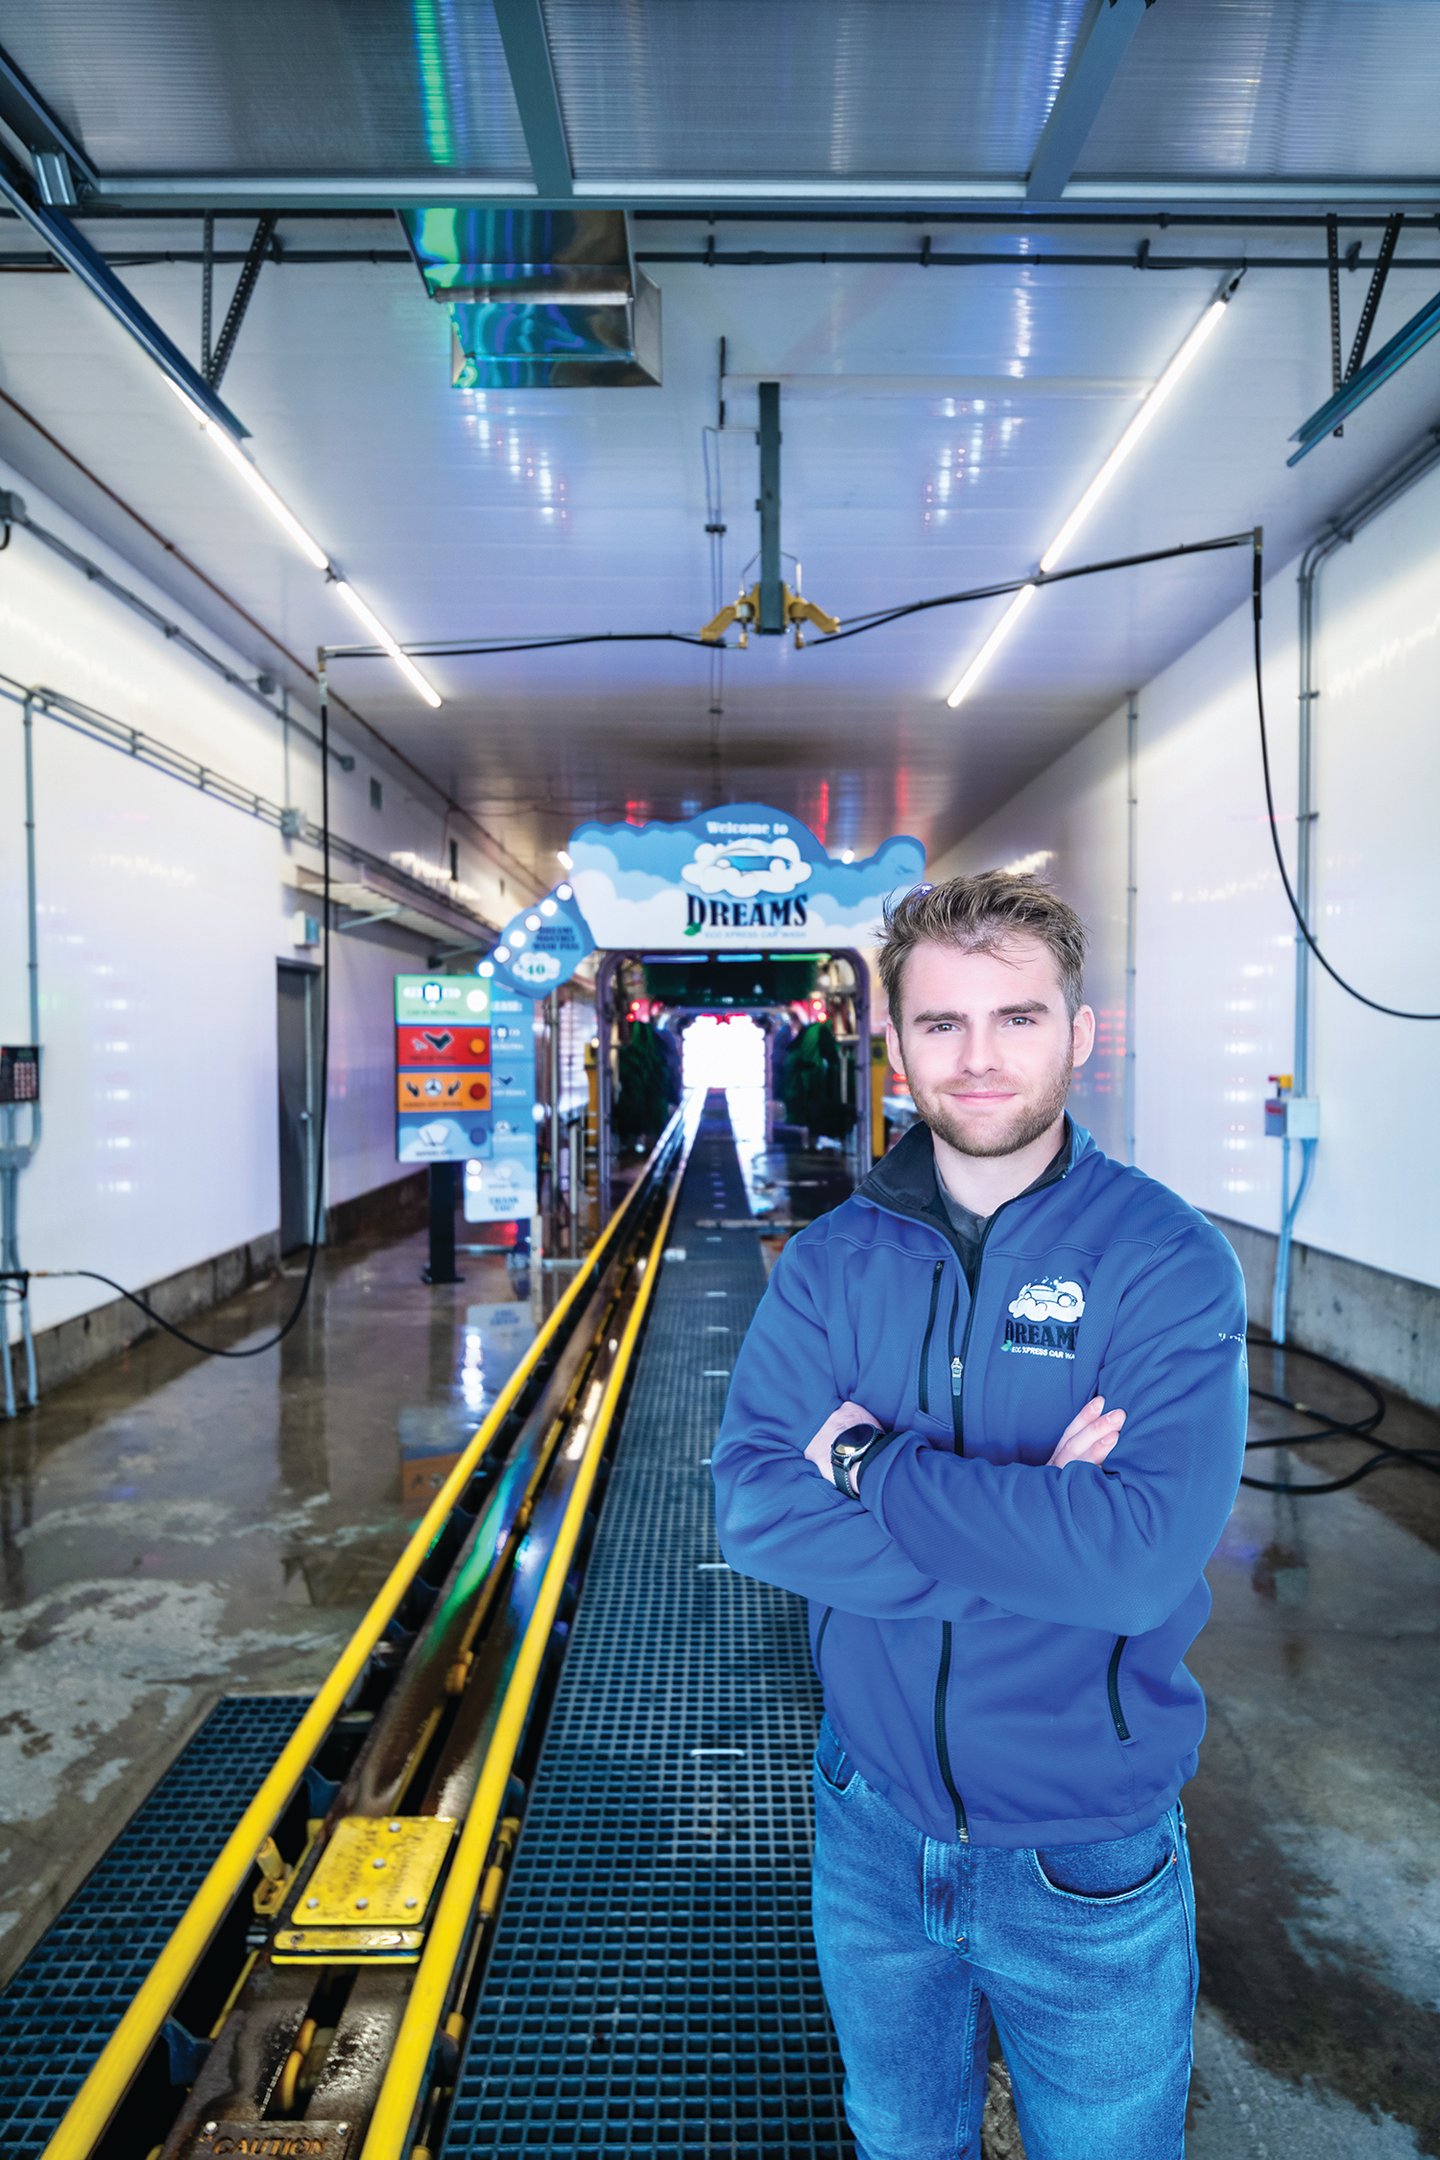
x: 820, y: 1637
x: 1112, y: 1689
x: 957, y: 1415
x: 942, y: 1679
x: 929, y: 1331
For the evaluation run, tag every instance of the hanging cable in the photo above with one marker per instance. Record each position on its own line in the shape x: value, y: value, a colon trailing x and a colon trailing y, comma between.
x: 1396, y: 1012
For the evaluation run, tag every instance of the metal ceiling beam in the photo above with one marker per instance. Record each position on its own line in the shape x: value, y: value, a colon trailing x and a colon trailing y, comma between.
x: 1100, y: 45
x: 232, y: 192
x: 28, y: 117
x: 532, y: 78
x: 71, y: 248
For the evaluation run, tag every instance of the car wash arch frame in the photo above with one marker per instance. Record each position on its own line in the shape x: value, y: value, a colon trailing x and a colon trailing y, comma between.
x: 607, y: 980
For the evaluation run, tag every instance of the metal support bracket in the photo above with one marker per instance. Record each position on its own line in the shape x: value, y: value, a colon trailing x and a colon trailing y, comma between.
x: 249, y: 271
x: 771, y: 620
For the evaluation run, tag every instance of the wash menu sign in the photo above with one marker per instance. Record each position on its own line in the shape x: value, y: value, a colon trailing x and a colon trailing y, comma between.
x: 444, y: 1078
x: 465, y: 1087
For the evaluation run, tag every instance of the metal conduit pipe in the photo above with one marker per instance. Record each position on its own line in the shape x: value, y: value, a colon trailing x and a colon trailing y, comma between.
x: 496, y: 847
x: 1132, y: 906
x: 1340, y: 533
x: 14, y: 512
x: 14, y: 1157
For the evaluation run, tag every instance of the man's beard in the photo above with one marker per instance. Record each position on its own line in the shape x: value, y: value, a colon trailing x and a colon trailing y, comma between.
x: 989, y: 1135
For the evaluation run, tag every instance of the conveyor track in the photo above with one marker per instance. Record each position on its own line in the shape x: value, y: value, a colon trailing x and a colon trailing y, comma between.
x: 651, y: 1989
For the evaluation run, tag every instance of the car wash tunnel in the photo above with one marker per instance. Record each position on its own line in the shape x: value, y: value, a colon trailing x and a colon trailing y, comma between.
x: 720, y: 1401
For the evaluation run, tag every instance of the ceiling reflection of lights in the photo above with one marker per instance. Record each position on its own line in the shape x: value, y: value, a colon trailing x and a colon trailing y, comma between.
x: 1154, y: 398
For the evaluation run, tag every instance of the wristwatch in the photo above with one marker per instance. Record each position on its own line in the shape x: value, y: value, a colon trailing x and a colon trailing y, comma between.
x: 847, y: 1452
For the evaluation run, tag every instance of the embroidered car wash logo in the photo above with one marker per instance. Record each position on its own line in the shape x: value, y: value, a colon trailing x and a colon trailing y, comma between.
x: 1043, y: 1319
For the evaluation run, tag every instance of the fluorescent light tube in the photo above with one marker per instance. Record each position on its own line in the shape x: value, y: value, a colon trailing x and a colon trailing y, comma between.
x: 1154, y: 398
x: 1018, y: 603
x: 382, y: 636
x: 255, y: 480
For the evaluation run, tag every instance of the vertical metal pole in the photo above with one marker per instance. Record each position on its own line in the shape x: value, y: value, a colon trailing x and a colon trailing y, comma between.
x: 8, y: 1178
x: 576, y: 1182
x: 7, y: 1208
x: 552, y: 1067
x: 604, y: 980
x: 320, y: 1222
x: 1332, y: 265
x: 444, y: 1177
x: 772, y: 599
x: 12, y: 1178
x: 1304, y: 821
x: 32, y: 911
x: 1132, y: 906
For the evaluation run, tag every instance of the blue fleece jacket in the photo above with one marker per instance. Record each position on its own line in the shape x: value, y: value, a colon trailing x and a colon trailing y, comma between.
x: 1001, y: 1644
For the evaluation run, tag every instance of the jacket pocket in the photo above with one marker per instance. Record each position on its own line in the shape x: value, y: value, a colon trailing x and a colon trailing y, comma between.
x: 832, y: 1765
x: 819, y: 1640
x: 1112, y: 1690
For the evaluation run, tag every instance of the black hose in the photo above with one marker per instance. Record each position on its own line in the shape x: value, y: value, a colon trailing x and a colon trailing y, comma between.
x: 1331, y: 1428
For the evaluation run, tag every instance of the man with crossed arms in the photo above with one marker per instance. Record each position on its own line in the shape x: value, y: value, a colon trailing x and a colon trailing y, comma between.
x: 999, y: 1621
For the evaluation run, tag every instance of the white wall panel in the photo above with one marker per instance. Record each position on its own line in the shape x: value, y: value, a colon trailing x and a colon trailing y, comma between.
x: 361, y: 1138
x: 162, y: 914
x: 1070, y: 825
x: 1215, y: 946
x: 159, y: 1146
x: 1215, y: 949
x: 1376, y: 1194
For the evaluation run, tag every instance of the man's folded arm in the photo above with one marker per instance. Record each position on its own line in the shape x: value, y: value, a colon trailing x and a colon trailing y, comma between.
x: 1115, y: 1548
x: 777, y: 1517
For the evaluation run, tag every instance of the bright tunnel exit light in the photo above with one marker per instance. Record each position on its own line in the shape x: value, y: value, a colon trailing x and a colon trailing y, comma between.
x: 382, y: 637
x: 255, y: 480
x: 1154, y: 398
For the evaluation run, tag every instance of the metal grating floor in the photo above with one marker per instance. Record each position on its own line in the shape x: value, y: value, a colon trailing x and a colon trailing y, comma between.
x: 63, y: 2003
x: 652, y: 1989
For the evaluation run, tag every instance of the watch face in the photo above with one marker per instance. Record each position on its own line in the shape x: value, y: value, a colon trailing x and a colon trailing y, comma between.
x: 854, y: 1439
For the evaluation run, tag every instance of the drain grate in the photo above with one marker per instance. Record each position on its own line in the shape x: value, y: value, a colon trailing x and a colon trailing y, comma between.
x: 652, y: 1989
x: 66, y: 1999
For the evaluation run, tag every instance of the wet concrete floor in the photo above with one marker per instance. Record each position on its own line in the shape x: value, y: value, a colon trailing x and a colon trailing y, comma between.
x: 173, y: 1528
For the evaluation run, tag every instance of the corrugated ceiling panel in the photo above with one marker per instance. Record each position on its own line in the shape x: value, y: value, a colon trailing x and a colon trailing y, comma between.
x: 813, y: 88
x: 322, y: 86
x: 1281, y: 89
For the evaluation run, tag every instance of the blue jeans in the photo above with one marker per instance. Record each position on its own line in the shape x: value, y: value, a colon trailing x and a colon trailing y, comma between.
x: 1083, y: 1956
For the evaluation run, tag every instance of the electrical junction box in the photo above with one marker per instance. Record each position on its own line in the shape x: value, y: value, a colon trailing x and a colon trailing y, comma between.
x: 305, y: 929
x: 19, y: 1073
x: 1292, y: 1117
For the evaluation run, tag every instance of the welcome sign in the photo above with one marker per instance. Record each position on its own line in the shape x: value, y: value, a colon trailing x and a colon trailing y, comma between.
x: 730, y: 878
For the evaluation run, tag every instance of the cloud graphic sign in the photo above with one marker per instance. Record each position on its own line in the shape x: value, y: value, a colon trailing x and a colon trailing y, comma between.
x: 746, y: 867
x: 732, y: 878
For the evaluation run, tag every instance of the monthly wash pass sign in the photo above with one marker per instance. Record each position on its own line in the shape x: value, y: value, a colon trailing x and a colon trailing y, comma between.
x: 740, y: 876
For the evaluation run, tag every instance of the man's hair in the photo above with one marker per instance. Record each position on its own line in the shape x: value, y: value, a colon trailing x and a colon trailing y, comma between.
x: 977, y: 914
